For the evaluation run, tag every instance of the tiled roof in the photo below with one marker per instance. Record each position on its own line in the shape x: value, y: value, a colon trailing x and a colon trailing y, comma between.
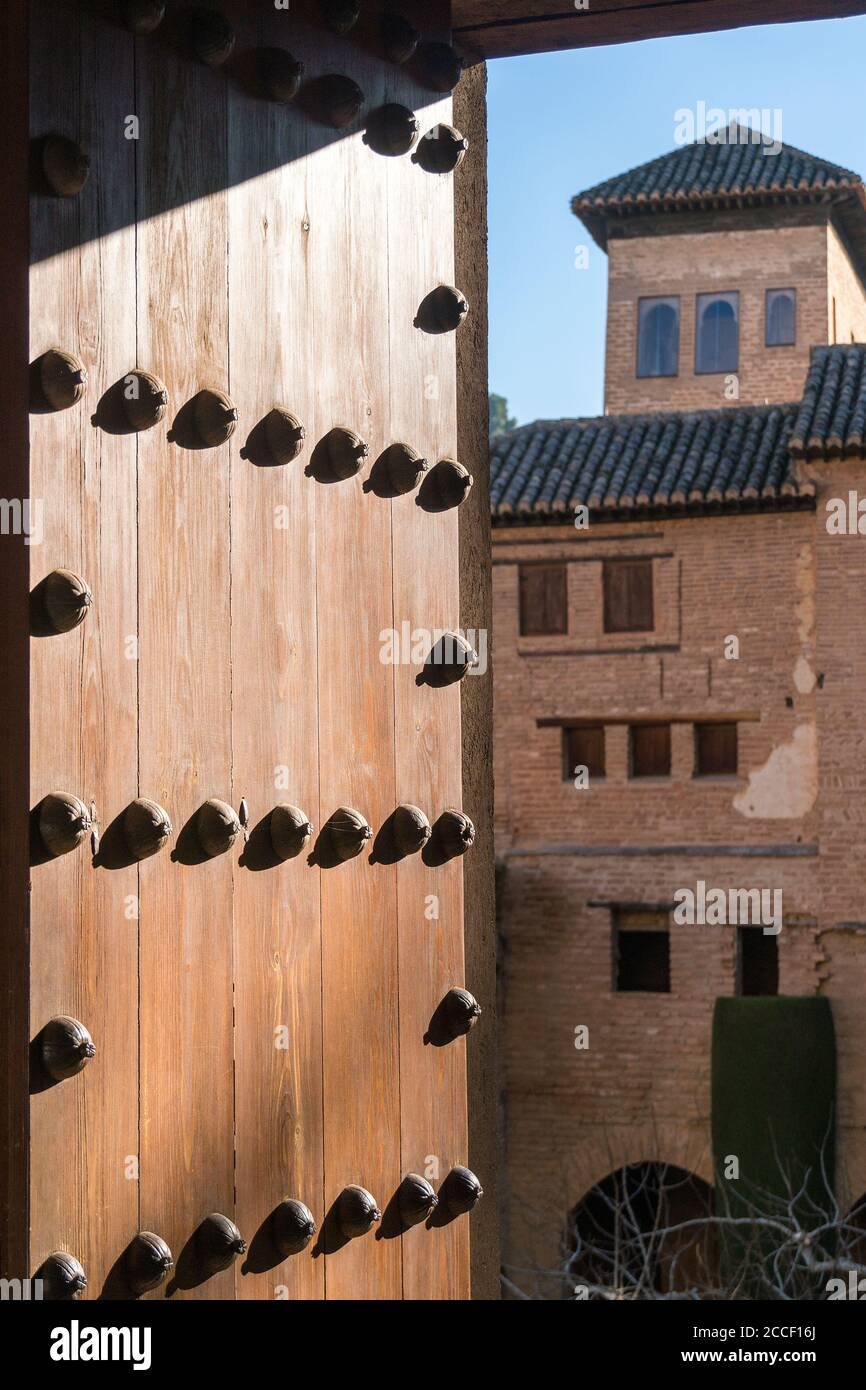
x: 704, y: 174
x: 618, y: 465
x: 832, y: 416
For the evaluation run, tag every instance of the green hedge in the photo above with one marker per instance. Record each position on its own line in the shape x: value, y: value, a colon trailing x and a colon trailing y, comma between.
x: 773, y: 1104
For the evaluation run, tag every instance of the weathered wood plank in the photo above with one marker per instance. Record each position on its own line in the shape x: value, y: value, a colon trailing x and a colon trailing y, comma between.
x: 83, y: 697
x: 57, y: 1203
x: 15, y: 558
x: 184, y: 666
x: 509, y: 27
x: 347, y: 261
x: 278, y: 965
x: 427, y: 721
x: 476, y: 697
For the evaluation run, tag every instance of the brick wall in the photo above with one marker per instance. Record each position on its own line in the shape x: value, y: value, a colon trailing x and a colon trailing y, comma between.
x: 846, y: 303
x: 726, y: 254
x: 706, y: 575
x: 841, y: 654
x: 792, y: 820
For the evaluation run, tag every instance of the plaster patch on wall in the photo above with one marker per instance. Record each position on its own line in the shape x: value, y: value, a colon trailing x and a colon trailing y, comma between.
x: 804, y: 609
x: 804, y: 613
x: 786, y: 786
x: 804, y: 676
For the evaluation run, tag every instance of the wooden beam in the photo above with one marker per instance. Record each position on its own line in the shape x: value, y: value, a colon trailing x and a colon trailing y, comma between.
x: 476, y: 607
x: 503, y: 28
x: 15, y: 650
x: 83, y: 940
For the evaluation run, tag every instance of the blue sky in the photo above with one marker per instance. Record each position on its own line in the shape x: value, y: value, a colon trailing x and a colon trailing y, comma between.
x: 561, y: 122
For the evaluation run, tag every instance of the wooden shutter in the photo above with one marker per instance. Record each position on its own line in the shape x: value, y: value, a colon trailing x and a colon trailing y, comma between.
x: 651, y: 750
x: 716, y: 750
x: 583, y: 746
x: 543, y: 600
x: 628, y: 596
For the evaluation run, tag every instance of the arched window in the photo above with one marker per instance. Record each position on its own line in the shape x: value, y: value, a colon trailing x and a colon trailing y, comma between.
x: 718, y: 332
x: 658, y: 342
x: 781, y: 318
x: 640, y: 1232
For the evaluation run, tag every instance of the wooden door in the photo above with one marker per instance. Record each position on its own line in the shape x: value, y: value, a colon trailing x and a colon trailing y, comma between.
x: 260, y: 1026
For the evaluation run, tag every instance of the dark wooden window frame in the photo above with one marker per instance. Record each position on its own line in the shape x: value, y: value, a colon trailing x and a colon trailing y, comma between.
x: 638, y: 732
x: 570, y: 760
x: 704, y: 754
x: 554, y: 622
x: 633, y: 620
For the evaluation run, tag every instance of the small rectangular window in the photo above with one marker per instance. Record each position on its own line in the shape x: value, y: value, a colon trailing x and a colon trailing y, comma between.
x: 583, y: 746
x: 650, y: 750
x: 641, y: 951
x: 658, y: 336
x: 628, y: 595
x: 717, y: 332
x: 757, y: 962
x: 543, y: 600
x: 780, y: 318
x: 716, y: 750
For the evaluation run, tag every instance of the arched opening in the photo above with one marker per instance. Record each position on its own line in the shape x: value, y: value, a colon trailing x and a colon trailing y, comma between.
x: 642, y: 1232
x: 658, y: 337
x: 781, y: 318
x: 718, y: 333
